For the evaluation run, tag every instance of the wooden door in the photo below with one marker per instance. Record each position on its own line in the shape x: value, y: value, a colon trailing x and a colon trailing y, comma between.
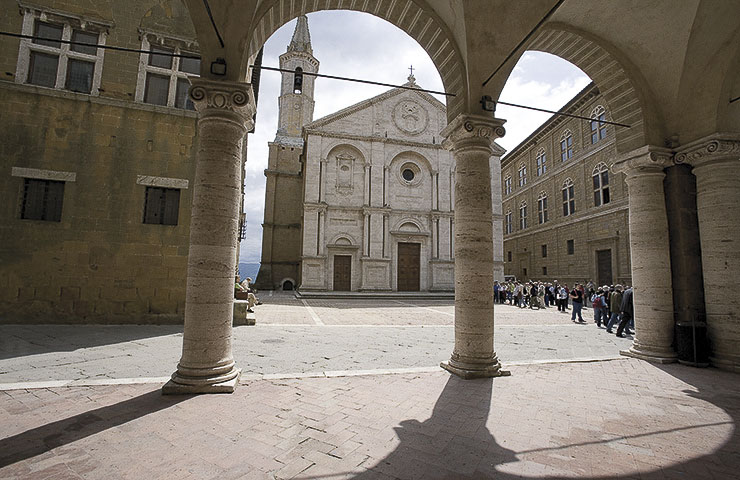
x: 604, y: 267
x: 409, y: 265
x: 342, y: 273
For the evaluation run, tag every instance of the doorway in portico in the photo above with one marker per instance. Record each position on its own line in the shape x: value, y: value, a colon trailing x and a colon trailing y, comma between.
x: 409, y: 266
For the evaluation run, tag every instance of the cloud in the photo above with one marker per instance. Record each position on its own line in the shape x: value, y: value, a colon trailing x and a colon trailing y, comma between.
x: 357, y: 45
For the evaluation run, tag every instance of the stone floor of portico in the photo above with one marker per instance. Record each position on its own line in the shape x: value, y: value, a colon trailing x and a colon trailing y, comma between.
x: 85, y: 402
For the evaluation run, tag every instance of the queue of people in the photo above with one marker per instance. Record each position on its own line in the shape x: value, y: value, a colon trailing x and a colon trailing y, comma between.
x: 612, y: 304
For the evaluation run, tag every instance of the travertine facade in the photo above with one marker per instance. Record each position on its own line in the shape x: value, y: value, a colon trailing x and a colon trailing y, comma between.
x: 584, y: 236
x: 377, y: 205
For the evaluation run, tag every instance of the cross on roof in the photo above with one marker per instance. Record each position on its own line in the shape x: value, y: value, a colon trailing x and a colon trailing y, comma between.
x: 411, y: 69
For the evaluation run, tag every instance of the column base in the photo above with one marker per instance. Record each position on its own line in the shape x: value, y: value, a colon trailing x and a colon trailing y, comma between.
x: 649, y: 356
x: 481, y: 371
x: 173, y: 387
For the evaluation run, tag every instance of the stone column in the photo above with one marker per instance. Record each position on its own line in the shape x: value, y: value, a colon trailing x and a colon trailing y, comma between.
x: 224, y: 116
x: 650, y: 254
x: 470, y: 138
x: 716, y: 164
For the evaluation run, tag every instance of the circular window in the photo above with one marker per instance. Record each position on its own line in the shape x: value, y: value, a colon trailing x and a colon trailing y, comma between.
x: 408, y: 174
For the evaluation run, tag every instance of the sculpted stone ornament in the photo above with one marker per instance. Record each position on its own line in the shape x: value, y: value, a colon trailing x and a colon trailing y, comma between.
x: 647, y: 159
x: 222, y: 99
x: 410, y: 117
x: 717, y: 147
x: 468, y: 130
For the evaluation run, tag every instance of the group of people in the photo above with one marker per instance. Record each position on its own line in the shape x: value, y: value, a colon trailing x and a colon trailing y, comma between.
x: 243, y: 290
x: 612, y: 304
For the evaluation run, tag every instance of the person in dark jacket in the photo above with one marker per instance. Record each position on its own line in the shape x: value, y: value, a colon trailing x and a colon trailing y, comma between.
x: 627, y: 310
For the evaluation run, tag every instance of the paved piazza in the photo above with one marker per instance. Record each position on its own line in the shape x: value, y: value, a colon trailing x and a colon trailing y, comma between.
x: 336, y: 389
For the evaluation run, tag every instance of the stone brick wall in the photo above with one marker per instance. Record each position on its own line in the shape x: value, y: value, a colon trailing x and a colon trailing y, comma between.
x: 591, y: 228
x: 100, y: 263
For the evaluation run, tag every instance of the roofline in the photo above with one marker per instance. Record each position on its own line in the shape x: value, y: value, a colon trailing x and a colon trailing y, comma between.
x: 587, y: 92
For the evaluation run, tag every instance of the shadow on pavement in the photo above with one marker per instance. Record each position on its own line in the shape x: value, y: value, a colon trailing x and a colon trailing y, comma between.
x: 455, y: 443
x: 34, y: 442
x: 22, y: 340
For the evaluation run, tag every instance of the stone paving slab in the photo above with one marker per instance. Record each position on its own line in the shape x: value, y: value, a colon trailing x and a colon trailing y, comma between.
x: 43, y: 353
x: 620, y: 419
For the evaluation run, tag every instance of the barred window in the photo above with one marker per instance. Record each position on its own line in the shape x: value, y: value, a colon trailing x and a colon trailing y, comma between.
x: 600, y: 176
x: 42, y: 200
x: 569, y: 202
x: 161, y: 205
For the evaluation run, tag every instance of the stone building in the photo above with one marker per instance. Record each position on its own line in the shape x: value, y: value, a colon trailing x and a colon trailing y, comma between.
x: 376, y: 211
x: 97, y: 157
x: 565, y: 208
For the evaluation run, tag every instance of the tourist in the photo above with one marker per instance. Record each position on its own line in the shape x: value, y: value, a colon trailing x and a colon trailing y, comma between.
x: 599, y: 305
x: 533, y: 296
x: 627, y: 311
x: 576, y: 295
x: 496, y: 290
x: 615, y: 299
x: 562, y: 298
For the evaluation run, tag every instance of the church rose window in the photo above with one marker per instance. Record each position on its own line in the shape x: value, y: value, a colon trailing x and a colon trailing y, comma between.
x: 408, y: 174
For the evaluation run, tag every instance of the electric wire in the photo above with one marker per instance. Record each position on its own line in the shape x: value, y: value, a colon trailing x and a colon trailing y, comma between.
x: 529, y: 35
x: 213, y: 22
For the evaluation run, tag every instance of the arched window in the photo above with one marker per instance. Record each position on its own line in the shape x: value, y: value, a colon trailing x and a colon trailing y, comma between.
x: 569, y: 201
x: 598, y: 129
x: 507, y: 185
x: 541, y: 162
x: 298, y: 80
x: 522, y: 175
x: 523, y: 215
x: 542, y: 208
x: 509, y: 224
x: 600, y: 176
x: 566, y: 145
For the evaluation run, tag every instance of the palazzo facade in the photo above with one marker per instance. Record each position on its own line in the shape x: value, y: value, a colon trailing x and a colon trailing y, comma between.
x: 566, y: 214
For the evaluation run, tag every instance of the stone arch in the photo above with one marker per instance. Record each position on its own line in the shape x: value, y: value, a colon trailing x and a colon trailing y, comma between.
x: 344, y: 240
x: 415, y: 18
x: 340, y: 147
x: 410, y: 224
x: 287, y: 284
x: 626, y: 103
x: 404, y: 155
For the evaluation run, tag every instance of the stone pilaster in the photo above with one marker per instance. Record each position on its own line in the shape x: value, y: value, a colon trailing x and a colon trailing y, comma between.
x: 716, y: 165
x: 224, y: 116
x: 470, y: 138
x: 650, y: 254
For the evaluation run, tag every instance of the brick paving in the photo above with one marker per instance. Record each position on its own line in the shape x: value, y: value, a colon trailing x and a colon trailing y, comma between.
x: 614, y: 419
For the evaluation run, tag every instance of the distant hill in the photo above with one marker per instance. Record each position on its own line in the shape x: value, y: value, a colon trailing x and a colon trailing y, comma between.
x: 249, y: 270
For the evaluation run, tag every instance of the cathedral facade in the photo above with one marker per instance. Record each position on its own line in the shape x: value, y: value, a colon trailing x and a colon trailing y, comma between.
x: 377, y: 191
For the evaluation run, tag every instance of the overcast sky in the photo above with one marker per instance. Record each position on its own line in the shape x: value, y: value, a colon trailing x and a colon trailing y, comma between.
x: 359, y: 45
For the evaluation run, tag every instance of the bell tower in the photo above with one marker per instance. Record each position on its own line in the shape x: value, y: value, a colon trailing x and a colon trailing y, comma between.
x: 281, y: 227
x: 296, y: 90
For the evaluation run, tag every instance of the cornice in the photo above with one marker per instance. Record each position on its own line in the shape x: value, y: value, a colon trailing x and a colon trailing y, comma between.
x: 364, y: 138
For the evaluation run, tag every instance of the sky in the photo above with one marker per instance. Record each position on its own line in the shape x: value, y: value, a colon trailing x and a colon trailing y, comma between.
x: 359, y: 45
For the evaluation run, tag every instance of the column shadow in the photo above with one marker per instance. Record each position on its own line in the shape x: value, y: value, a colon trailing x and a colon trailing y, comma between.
x: 41, y: 439
x: 454, y: 443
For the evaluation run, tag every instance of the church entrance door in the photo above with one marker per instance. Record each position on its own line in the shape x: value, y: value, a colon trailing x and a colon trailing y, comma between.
x: 604, y: 266
x: 409, y: 258
x: 342, y: 273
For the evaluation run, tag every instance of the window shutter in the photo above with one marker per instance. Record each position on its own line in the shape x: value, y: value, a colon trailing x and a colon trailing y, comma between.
x: 54, y: 198
x: 171, y: 206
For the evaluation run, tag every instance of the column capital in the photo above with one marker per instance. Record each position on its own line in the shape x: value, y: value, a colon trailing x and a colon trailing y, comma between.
x: 471, y: 131
x: 714, y: 148
x: 648, y: 159
x: 227, y: 100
